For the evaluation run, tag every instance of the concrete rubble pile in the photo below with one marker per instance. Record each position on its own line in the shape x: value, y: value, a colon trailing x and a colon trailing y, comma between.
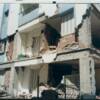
x: 45, y: 91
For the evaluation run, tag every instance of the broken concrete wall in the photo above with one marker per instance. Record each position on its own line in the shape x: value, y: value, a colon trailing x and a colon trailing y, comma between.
x: 80, y: 10
x: 44, y: 44
x: 5, y: 79
x: 6, y: 49
x: 17, y: 45
x: 21, y: 81
x: 85, y: 40
x: 50, y: 38
x: 72, y: 80
x: 65, y: 41
x: 67, y: 29
x: 37, y: 41
x: 83, y: 25
x: 29, y: 43
x: 26, y: 78
x: 33, y: 43
x: 10, y: 48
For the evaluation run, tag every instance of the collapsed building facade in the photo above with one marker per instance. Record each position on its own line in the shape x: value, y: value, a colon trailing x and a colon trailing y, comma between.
x: 50, y: 43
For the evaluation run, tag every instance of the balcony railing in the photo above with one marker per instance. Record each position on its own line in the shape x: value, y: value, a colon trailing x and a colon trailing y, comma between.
x: 25, y: 18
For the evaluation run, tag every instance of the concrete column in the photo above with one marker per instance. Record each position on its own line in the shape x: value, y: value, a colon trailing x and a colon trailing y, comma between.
x: 85, y: 40
x: 87, y: 77
x: 26, y: 80
x: 11, y: 86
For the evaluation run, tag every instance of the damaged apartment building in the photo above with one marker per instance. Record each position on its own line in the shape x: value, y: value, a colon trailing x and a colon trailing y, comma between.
x: 50, y: 43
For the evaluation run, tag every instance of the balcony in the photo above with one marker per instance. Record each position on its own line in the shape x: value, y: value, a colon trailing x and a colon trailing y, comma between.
x: 25, y: 18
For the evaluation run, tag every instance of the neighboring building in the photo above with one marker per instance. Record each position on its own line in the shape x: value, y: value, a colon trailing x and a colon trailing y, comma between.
x: 53, y: 43
x: 7, y: 33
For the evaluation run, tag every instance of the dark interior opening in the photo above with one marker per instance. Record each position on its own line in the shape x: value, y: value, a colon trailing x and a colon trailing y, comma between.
x: 52, y: 35
x: 11, y: 38
x: 95, y: 28
x: 96, y: 41
x: 56, y: 72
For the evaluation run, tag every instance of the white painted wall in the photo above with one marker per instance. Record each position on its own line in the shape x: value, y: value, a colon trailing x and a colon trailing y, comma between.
x: 13, y: 18
x: 80, y: 10
x: 67, y: 26
x: 48, y: 9
x: 1, y: 14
